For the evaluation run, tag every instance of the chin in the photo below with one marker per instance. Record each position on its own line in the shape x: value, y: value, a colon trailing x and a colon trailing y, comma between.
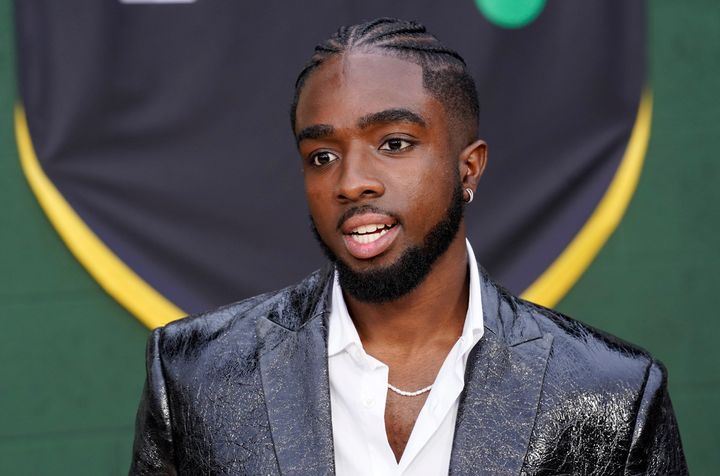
x: 384, y: 279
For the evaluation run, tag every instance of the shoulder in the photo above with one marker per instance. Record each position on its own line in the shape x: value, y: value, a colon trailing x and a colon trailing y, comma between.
x: 594, y: 382
x: 581, y: 359
x: 232, y: 329
x: 590, y: 350
x: 604, y: 402
x: 580, y: 349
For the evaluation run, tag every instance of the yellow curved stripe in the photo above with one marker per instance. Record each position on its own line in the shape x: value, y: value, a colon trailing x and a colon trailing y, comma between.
x: 563, y: 273
x: 114, y: 276
x: 154, y: 310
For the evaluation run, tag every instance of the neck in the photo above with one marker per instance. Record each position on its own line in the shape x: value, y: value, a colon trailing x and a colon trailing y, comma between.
x: 432, y: 313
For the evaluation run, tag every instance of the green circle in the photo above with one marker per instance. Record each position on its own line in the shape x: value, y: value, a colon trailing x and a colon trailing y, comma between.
x: 510, y: 13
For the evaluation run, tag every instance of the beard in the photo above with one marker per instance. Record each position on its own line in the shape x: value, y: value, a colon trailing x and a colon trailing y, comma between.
x: 391, y: 282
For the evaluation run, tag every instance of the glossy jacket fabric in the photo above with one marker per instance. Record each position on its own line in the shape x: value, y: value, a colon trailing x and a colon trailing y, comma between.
x: 244, y: 390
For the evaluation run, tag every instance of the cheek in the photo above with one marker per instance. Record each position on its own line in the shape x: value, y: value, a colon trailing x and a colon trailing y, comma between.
x: 319, y: 203
x: 313, y: 194
x: 428, y: 191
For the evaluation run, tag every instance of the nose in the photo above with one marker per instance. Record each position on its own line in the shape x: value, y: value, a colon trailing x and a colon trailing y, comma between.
x: 359, y: 178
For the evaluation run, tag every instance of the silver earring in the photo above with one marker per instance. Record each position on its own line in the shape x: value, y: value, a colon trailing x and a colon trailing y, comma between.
x: 471, y: 195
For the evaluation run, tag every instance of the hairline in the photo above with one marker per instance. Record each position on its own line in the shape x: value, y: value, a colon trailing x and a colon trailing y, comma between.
x: 425, y: 68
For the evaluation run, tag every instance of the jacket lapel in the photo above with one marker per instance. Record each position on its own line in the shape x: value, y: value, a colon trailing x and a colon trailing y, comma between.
x: 293, y: 366
x: 503, y: 382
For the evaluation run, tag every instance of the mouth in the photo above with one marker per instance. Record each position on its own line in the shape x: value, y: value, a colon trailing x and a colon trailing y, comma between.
x: 365, y: 234
x: 368, y: 235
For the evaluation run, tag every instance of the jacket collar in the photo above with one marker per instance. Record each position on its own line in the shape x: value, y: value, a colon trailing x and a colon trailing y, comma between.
x: 503, y: 381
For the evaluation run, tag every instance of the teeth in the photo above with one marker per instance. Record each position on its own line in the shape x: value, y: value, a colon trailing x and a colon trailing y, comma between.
x: 369, y: 238
x: 367, y: 228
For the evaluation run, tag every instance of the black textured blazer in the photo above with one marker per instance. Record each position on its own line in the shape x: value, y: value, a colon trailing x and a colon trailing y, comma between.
x: 244, y: 390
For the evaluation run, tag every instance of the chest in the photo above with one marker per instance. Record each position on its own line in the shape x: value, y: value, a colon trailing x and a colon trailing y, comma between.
x: 386, y: 433
x: 401, y: 413
x: 410, y: 375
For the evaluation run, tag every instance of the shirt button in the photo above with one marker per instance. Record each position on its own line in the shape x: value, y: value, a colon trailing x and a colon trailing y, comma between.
x: 368, y: 402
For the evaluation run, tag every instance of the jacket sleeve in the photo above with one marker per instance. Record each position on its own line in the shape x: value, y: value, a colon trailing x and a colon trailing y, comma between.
x: 153, y: 447
x: 656, y: 446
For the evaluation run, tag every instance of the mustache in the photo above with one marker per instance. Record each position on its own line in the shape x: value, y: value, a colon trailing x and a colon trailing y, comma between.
x: 362, y: 209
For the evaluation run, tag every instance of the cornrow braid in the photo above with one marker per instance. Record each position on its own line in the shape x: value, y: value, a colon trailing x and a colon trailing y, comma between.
x: 444, y: 71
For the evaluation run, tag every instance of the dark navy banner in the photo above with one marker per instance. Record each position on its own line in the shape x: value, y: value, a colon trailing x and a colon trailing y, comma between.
x: 165, y: 128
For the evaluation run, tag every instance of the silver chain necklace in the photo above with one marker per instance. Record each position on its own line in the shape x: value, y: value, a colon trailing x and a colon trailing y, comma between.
x: 409, y: 394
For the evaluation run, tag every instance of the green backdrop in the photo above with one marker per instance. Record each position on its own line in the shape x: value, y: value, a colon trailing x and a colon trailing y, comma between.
x: 71, y: 359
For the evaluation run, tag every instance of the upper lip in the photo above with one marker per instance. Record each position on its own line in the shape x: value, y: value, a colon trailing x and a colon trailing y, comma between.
x: 368, y: 218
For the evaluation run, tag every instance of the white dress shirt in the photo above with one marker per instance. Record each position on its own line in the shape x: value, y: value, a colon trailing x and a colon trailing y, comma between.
x: 358, y: 389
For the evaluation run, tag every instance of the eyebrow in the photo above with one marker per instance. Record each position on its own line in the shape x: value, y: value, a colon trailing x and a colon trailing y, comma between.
x: 389, y: 116
x: 321, y: 131
x: 317, y: 131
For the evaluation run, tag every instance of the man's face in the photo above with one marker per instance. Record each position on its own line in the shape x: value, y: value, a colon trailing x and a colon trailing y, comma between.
x: 380, y: 166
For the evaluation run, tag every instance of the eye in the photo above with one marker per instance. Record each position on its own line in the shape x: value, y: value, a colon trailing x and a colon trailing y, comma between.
x: 396, y: 145
x: 322, y: 158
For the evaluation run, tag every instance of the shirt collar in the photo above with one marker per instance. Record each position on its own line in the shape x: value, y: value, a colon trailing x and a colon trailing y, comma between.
x: 342, y: 333
x: 473, y: 329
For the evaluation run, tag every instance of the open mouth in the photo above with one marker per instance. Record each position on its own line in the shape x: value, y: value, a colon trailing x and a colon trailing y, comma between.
x: 365, y: 234
x: 368, y: 236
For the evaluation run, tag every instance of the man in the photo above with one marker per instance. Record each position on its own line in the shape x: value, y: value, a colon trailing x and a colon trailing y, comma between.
x: 402, y: 356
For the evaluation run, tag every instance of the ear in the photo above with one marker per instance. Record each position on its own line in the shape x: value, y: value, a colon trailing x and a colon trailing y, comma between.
x: 473, y: 159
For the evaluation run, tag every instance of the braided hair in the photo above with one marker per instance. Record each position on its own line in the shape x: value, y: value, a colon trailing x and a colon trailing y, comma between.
x: 445, y: 74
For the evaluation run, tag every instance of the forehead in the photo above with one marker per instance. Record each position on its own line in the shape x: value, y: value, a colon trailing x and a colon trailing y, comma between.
x: 352, y: 85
